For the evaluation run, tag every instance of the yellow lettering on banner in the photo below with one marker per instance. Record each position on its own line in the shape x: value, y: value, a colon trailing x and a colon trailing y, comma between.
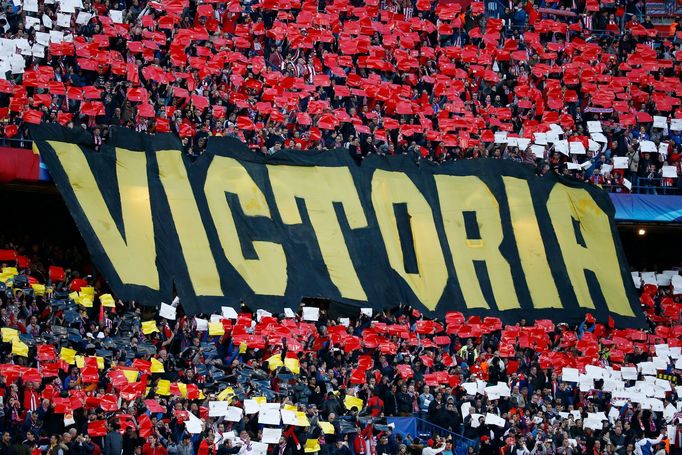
x: 314, y: 185
x: 389, y: 188
x: 543, y: 290
x: 461, y: 194
x: 226, y: 175
x: 196, y: 250
x: 138, y: 247
x: 599, y: 253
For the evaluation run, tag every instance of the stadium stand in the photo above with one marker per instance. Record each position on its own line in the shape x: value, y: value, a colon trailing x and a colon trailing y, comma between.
x: 438, y: 80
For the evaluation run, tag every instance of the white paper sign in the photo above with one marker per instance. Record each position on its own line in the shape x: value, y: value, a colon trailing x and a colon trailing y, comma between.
x: 492, y: 419
x: 251, y: 406
x: 202, y: 324
x: 594, y: 126
x: 676, y: 124
x: 64, y: 20
x: 116, y: 16
x: 660, y: 122
x: 501, y: 137
x: 669, y: 172
x: 561, y: 146
x: 83, y: 18
x: 218, y: 408
x: 620, y: 162
x: 311, y: 313
x: 269, y: 416
x: 647, y: 147
x: 569, y: 374
x: 538, y: 151
x: 271, y: 435
x: 228, y: 312
x: 577, y: 148
x: 167, y: 311
x: 234, y: 414
x: 194, y: 424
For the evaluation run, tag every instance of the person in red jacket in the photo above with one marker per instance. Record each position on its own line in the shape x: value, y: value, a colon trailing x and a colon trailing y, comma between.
x: 153, y: 447
x: 207, y: 447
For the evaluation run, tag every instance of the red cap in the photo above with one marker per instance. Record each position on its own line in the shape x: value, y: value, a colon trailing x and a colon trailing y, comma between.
x: 589, y: 318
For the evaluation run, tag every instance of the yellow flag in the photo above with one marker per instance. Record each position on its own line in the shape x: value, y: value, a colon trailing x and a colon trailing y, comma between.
x: 100, y: 362
x: 157, y: 367
x: 80, y: 361
x: 68, y: 355
x: 312, y: 445
x: 19, y: 347
x: 75, y: 297
x: 183, y: 389
x: 260, y: 400
x: 242, y: 347
x: 216, y: 329
x: 9, y: 334
x: 10, y: 271
x: 327, y: 428
x: 226, y: 394
x: 275, y: 361
x: 163, y: 387
x: 292, y: 365
x: 302, y: 419
x: 5, y: 277
x: 290, y: 407
x: 149, y: 327
x: 107, y: 301
x: 87, y: 290
x: 353, y: 402
x: 38, y: 289
x: 131, y: 375
x: 86, y: 301
x: 201, y: 395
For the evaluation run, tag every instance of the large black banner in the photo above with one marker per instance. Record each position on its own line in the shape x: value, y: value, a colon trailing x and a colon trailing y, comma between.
x: 483, y: 237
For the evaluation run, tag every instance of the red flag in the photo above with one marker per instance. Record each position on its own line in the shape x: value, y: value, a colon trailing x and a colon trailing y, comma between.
x: 98, y: 428
x: 245, y: 123
x: 56, y: 273
x: 31, y: 116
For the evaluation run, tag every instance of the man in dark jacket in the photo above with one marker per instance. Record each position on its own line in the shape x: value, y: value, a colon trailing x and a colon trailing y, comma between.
x: 113, y: 442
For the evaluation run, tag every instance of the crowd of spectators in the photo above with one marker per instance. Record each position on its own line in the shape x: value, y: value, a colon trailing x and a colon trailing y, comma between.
x: 438, y: 79
x: 84, y: 374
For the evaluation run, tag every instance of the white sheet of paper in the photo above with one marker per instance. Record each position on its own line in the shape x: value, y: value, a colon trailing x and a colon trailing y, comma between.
x: 573, y: 166
x: 288, y: 417
x: 599, y: 137
x: 594, y: 126
x: 31, y: 6
x: 202, y: 324
x: 269, y: 416
x: 561, y: 146
x: 32, y: 22
x: 577, y: 148
x: 64, y: 20
x: 660, y: 122
x: 271, y: 435
x: 234, y: 414
x: 512, y: 141
x: 594, y: 372
x: 663, y: 148
x: 669, y: 171
x: 593, y: 145
x: 538, y: 151
x: 311, y: 313
x: 523, y: 143
x: 471, y: 388
x: 627, y: 184
x: 228, y: 312
x: 251, y: 406
x: 289, y: 313
x: 676, y: 124
x: 556, y: 128
x: 56, y: 37
x: 501, y: 137
x: 569, y: 374
x: 38, y: 51
x: 474, y: 420
x: 262, y: 314
x: 218, y: 408
x: 628, y: 373
x: 116, y: 16
x: 540, y: 138
x: 194, y: 424
x: 259, y: 448
x: 167, y: 311
x: 83, y: 18
x: 649, y: 277
x: 620, y: 162
x: 492, y: 419
x: 43, y: 38
x: 367, y: 312
x: 47, y: 21
x: 662, y: 280
x: 647, y: 146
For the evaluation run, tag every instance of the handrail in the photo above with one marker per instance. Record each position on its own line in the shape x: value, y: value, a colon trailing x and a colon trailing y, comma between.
x: 461, y: 443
